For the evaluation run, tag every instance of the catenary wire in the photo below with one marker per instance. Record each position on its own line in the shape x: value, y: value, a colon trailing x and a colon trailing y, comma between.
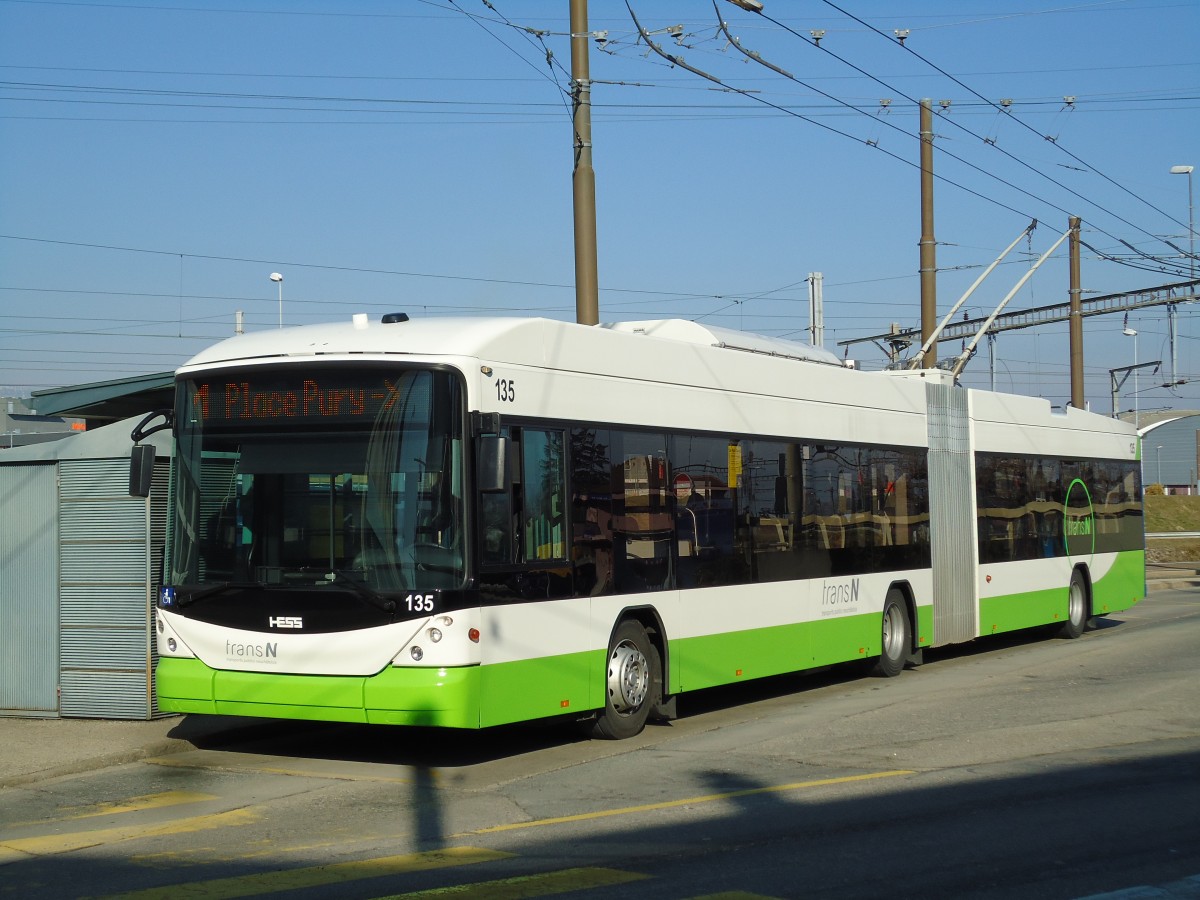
x: 964, y: 86
x: 958, y: 125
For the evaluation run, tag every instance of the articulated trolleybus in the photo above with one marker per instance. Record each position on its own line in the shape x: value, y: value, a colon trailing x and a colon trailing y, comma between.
x: 471, y: 522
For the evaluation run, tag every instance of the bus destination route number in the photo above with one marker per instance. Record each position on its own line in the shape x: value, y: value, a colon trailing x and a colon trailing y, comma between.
x: 419, y: 603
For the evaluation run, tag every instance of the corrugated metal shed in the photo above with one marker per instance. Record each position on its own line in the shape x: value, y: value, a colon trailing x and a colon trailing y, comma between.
x: 1171, y: 451
x: 29, y: 590
x: 79, y: 559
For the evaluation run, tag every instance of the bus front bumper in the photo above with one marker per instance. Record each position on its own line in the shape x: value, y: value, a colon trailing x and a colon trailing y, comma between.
x: 440, y: 697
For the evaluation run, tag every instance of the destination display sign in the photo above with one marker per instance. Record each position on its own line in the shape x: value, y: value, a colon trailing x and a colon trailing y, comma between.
x: 354, y: 396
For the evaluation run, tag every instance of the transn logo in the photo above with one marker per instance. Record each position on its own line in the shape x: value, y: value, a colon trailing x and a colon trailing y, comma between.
x: 285, y: 622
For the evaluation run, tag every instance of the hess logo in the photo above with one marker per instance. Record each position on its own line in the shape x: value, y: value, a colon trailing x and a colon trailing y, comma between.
x: 285, y: 622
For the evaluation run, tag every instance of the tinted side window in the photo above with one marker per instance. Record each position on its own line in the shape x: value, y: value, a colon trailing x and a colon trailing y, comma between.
x: 591, y: 511
x: 704, y: 511
x: 1024, y: 503
x: 643, y: 524
x: 544, y: 496
x: 524, y: 530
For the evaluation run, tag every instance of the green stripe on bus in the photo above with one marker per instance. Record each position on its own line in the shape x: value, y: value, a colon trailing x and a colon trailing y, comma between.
x: 1013, y: 611
x: 1123, y: 585
x: 443, y: 697
x: 713, y: 660
x: 1120, y: 588
x: 546, y: 686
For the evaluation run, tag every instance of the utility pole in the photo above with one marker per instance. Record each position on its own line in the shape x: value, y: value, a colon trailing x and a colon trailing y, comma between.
x: 928, y: 244
x: 587, y: 292
x: 816, y: 309
x: 1075, y: 318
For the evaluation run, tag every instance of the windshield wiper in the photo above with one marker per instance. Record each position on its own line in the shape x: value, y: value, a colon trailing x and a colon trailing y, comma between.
x: 364, y: 590
x: 213, y: 590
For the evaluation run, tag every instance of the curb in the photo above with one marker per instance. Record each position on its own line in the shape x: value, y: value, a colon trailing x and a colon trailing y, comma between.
x: 1171, y: 584
x: 115, y: 758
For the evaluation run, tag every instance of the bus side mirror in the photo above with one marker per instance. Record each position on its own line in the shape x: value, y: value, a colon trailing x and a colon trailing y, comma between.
x: 144, y: 429
x: 141, y: 470
x: 492, y: 464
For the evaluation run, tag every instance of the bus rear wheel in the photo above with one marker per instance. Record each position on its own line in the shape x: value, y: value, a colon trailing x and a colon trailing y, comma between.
x: 1077, y: 608
x: 896, y: 640
x: 631, y: 679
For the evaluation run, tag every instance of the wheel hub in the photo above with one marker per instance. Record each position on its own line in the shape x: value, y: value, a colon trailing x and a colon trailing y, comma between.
x: 628, y: 678
x: 1075, y: 602
x: 893, y: 633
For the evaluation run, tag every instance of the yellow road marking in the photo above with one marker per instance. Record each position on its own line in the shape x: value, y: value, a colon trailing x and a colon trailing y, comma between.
x: 522, y: 887
x: 688, y: 801
x: 315, y: 876
x: 23, y: 848
x: 253, y: 850
x: 133, y: 804
x: 149, y: 801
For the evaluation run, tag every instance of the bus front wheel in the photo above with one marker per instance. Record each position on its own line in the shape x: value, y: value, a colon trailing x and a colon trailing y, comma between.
x: 896, y: 637
x: 631, y: 678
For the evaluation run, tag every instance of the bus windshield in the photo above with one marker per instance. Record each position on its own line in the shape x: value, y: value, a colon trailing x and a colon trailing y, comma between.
x: 346, y: 478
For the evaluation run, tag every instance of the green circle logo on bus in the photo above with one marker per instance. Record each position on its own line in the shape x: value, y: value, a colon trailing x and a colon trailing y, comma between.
x: 1079, y: 520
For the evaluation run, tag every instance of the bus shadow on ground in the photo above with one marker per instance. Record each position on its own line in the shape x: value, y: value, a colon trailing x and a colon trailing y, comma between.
x: 1073, y: 826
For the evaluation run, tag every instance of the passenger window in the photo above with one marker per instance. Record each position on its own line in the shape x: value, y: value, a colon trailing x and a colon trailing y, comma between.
x: 496, y: 519
x: 524, y: 529
x: 592, y: 511
x: 544, y: 501
x: 704, y: 510
x: 643, y: 527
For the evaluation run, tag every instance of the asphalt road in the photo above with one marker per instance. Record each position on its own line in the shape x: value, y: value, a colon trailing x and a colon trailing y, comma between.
x: 1024, y: 766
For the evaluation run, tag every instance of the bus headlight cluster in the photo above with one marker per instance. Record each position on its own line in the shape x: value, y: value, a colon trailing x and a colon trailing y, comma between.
x: 435, y: 633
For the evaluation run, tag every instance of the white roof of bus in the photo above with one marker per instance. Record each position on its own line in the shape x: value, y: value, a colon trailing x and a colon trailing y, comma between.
x: 678, y: 356
x: 486, y: 337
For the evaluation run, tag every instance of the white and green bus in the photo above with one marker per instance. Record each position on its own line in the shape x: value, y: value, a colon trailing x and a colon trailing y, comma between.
x: 472, y: 522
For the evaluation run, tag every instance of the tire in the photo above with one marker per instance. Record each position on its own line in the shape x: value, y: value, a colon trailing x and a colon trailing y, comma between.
x: 1078, y: 602
x: 896, y: 644
x: 632, y: 681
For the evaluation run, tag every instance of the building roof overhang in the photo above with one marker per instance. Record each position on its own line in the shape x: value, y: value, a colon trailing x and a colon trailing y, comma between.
x: 108, y: 401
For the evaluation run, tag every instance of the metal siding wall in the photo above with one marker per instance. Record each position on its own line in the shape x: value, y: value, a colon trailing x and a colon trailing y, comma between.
x: 106, y: 695
x: 952, y: 516
x: 29, y: 590
x: 105, y: 593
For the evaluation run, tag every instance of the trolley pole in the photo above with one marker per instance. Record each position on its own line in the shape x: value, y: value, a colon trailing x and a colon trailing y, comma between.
x: 1075, y: 318
x: 587, y: 293
x: 928, y: 244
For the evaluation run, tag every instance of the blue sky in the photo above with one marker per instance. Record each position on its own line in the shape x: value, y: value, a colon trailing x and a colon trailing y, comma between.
x: 159, y: 160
